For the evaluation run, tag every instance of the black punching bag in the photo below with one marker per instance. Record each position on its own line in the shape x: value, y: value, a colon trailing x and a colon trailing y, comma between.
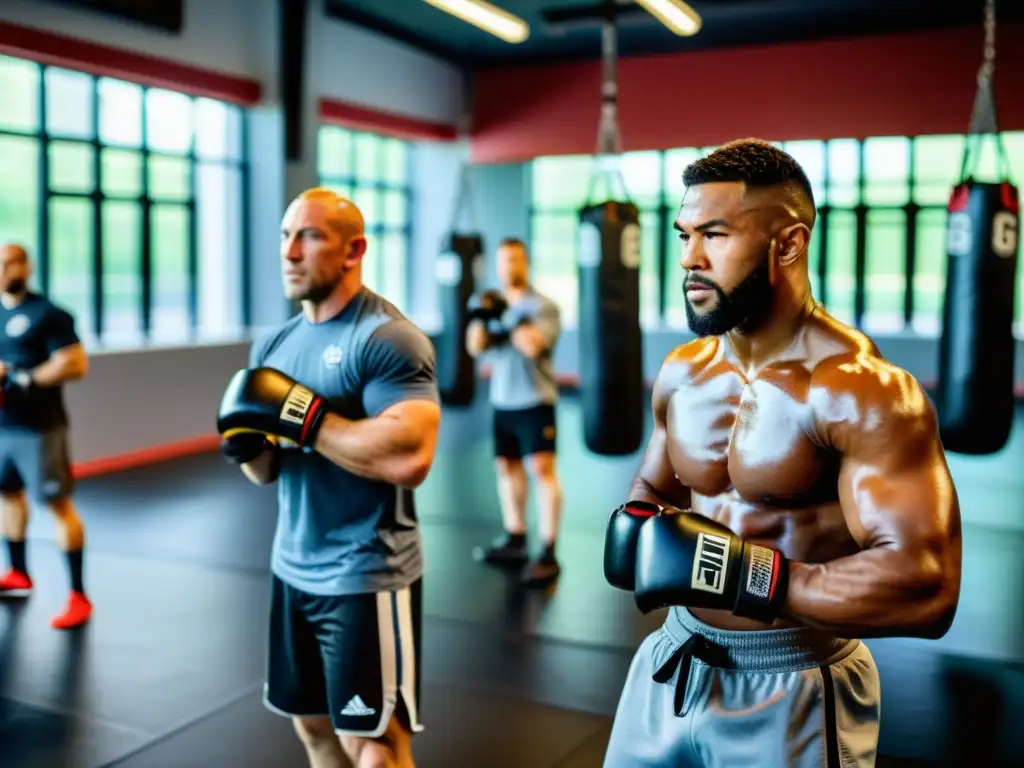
x: 458, y: 269
x: 975, y: 399
x: 610, y: 340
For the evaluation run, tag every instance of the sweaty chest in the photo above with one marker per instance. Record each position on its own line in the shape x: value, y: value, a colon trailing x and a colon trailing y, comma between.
x: 726, y: 434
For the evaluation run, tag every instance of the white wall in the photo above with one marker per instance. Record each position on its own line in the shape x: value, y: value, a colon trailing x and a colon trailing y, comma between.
x: 139, y: 399
x: 362, y: 67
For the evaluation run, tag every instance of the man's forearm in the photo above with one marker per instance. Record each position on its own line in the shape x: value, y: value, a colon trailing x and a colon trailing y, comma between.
x: 57, y: 371
x: 382, y: 448
x: 875, y: 593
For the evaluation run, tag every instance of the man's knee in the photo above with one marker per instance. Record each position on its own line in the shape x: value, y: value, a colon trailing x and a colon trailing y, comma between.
x: 544, y: 467
x: 13, y: 496
x: 392, y: 749
x: 507, y: 467
x: 62, y: 507
x: 315, y: 731
x: 366, y: 753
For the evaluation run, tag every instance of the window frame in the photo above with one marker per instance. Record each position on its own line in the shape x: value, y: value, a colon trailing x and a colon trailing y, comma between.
x: 379, y: 185
x: 861, y: 211
x: 97, y: 335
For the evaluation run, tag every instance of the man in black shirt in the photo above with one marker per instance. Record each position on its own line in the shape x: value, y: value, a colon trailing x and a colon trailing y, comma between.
x: 39, y: 351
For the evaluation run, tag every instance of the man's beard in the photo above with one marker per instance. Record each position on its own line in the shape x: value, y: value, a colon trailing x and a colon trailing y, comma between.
x: 15, y: 286
x: 741, y: 310
x: 315, y: 293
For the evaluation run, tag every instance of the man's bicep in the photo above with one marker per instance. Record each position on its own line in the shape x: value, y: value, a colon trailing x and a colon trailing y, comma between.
x: 62, y: 334
x: 423, y: 416
x: 399, y: 367
x: 895, y: 487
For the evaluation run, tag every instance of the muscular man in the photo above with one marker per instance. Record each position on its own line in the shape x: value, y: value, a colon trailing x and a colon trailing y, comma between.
x: 340, y: 406
x: 794, y: 498
x: 524, y: 393
x: 39, y: 352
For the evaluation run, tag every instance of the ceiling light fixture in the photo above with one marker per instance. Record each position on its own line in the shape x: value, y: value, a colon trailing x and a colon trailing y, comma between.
x: 487, y: 17
x: 674, y: 14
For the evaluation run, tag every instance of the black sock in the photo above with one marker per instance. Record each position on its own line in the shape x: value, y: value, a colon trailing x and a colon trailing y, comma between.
x: 75, y: 566
x: 516, y: 540
x: 547, y: 556
x: 16, y: 549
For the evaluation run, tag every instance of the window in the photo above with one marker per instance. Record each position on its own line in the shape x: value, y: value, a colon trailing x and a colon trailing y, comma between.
x: 374, y: 172
x: 130, y: 200
x: 877, y: 257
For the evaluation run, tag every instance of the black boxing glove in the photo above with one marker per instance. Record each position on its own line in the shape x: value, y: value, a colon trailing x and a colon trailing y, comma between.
x: 620, y: 542
x: 689, y: 560
x: 243, y: 447
x: 267, y: 401
x: 489, y: 305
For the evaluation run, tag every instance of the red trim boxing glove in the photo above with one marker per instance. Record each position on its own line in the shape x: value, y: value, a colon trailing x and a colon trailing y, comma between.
x: 620, y: 542
x: 689, y: 560
x: 266, y: 400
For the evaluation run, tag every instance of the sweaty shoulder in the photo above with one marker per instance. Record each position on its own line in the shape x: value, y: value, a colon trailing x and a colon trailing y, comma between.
x: 863, y: 404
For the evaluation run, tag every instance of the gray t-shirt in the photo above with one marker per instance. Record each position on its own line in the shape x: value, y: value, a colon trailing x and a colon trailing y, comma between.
x: 516, y: 380
x: 339, y: 533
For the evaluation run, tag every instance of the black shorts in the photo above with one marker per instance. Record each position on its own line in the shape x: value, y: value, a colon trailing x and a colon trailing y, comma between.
x: 37, y: 461
x: 524, y: 431
x: 349, y: 657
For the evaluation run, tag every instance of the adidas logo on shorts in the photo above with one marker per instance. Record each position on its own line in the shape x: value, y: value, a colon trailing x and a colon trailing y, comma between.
x: 356, y: 707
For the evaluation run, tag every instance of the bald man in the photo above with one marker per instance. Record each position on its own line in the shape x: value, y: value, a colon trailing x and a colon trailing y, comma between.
x: 39, y: 353
x: 340, y: 407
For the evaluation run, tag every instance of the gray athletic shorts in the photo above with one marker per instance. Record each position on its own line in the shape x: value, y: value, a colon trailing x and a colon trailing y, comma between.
x: 37, y: 461
x: 696, y: 695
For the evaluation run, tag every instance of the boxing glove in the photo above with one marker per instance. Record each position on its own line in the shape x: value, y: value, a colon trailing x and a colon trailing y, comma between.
x: 267, y: 401
x: 243, y: 447
x: 489, y: 305
x: 620, y: 542
x: 689, y: 560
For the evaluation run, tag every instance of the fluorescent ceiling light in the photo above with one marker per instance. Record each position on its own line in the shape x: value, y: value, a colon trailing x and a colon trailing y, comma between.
x: 674, y: 14
x: 487, y: 17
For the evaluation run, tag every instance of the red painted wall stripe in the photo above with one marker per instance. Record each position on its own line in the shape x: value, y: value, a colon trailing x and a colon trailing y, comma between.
x: 98, y: 59
x: 921, y: 82
x: 146, y: 456
x: 386, y: 123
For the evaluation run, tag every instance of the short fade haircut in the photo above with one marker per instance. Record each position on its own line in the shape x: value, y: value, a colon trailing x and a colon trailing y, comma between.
x: 753, y: 162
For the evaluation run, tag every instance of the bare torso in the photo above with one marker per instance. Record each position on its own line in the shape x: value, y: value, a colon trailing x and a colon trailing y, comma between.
x: 751, y: 448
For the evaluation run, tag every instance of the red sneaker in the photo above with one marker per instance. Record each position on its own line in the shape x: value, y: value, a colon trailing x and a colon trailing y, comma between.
x: 15, y: 584
x: 76, y: 613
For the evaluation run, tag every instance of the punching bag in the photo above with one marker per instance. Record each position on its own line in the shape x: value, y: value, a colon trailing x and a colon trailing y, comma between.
x: 458, y: 269
x: 975, y: 399
x: 610, y: 339
x: 976, y: 352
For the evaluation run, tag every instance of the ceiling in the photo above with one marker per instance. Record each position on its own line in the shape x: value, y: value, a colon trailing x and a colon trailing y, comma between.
x: 725, y: 23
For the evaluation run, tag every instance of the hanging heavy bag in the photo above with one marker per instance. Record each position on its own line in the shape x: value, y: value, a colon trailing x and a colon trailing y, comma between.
x: 458, y: 268
x: 610, y: 338
x: 975, y: 400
